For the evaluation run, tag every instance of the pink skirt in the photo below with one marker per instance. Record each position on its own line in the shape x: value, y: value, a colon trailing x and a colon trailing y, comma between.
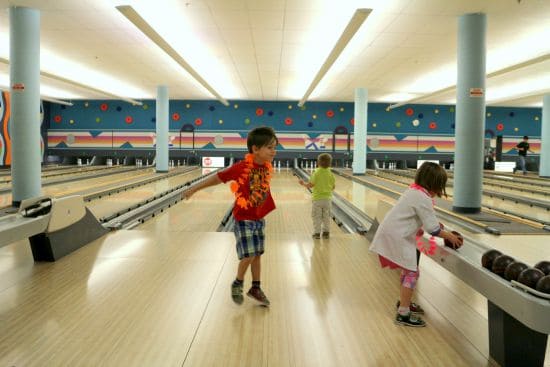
x: 388, y: 263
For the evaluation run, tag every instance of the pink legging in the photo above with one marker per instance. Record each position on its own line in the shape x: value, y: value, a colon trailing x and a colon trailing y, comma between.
x: 409, y: 278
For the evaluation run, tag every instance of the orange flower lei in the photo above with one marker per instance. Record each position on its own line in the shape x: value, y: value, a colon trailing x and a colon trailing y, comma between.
x: 241, y: 201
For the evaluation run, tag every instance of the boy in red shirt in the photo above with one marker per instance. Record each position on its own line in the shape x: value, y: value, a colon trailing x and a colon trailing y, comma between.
x: 253, y: 201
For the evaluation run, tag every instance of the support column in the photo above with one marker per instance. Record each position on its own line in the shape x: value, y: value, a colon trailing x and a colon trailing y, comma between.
x: 25, y: 103
x: 544, y: 169
x: 470, y: 113
x: 162, y: 128
x: 360, y: 132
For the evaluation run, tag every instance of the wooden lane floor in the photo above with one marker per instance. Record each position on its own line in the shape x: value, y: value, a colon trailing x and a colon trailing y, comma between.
x: 159, y: 296
x: 137, y: 298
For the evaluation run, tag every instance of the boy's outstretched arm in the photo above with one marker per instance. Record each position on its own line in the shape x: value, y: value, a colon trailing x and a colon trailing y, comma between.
x: 210, y: 181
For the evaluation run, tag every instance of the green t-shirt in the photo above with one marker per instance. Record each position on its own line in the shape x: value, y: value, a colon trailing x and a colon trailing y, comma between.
x: 323, y: 183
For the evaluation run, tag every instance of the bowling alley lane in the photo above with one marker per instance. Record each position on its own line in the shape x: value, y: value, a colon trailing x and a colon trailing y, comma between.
x: 539, y: 213
x: 120, y: 201
x: 84, y: 184
x: 203, y: 212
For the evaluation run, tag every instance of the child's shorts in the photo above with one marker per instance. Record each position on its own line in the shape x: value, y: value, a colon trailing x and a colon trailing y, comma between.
x: 250, y: 237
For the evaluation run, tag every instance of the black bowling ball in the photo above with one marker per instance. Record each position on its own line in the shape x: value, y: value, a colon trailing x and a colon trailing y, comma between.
x: 488, y: 257
x: 543, y: 285
x: 543, y: 266
x: 500, y: 264
x: 530, y: 277
x: 513, y: 270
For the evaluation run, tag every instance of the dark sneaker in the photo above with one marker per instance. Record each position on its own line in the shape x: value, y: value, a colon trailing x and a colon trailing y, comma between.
x: 409, y: 320
x: 416, y: 309
x: 258, y: 295
x: 316, y: 236
x: 237, y: 293
x: 326, y: 235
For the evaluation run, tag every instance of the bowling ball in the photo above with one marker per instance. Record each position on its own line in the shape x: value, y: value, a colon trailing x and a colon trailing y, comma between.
x: 530, y: 277
x: 500, y: 264
x: 543, y: 285
x: 543, y: 266
x: 449, y: 244
x: 513, y: 270
x: 488, y: 257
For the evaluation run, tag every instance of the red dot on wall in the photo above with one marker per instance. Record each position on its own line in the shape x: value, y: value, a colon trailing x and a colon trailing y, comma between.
x: 433, y: 125
x: 330, y: 113
x: 288, y: 121
x: 198, y: 122
x: 103, y: 107
x: 352, y: 121
x: 175, y: 116
x: 57, y: 118
x: 129, y: 119
x: 500, y: 127
x: 409, y: 111
x: 259, y: 111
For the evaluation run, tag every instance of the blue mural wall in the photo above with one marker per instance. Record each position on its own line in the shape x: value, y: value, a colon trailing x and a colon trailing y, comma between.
x: 109, y: 124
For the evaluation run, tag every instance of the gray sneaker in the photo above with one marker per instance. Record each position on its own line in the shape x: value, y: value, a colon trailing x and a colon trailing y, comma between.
x: 409, y: 319
x: 237, y: 293
x: 258, y: 295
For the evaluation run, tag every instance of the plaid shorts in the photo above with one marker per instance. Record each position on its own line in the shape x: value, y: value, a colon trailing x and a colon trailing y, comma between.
x: 250, y: 237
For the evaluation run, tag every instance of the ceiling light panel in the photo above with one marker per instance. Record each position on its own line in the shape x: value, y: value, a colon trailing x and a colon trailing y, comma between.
x: 159, y: 24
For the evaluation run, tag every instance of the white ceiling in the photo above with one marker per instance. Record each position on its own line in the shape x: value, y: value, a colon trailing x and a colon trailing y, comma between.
x: 272, y: 49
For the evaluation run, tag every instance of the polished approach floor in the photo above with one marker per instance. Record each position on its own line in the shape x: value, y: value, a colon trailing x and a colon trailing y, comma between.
x: 159, y: 296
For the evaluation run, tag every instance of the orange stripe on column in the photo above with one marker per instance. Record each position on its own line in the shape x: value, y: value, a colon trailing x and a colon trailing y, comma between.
x: 5, y: 123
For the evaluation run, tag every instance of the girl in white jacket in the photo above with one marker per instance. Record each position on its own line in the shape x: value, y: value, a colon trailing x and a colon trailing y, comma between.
x: 395, y: 239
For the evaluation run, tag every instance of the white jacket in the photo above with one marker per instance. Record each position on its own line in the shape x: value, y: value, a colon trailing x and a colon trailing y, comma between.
x: 395, y: 238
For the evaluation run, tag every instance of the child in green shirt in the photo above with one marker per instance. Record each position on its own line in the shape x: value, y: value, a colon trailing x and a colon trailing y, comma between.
x: 322, y: 184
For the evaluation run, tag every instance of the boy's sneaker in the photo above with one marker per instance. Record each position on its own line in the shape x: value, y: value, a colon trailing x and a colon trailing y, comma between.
x: 316, y: 236
x: 409, y: 320
x: 258, y: 295
x: 416, y: 309
x: 237, y: 293
x: 326, y: 235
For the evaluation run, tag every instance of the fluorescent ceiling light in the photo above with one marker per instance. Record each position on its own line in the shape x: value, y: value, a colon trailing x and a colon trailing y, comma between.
x: 79, y: 85
x: 87, y: 87
x: 144, y: 27
x: 58, y: 101
x: 353, y: 26
x: 500, y: 72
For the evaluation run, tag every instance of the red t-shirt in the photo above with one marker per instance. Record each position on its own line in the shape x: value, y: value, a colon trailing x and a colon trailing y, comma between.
x: 259, y: 207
